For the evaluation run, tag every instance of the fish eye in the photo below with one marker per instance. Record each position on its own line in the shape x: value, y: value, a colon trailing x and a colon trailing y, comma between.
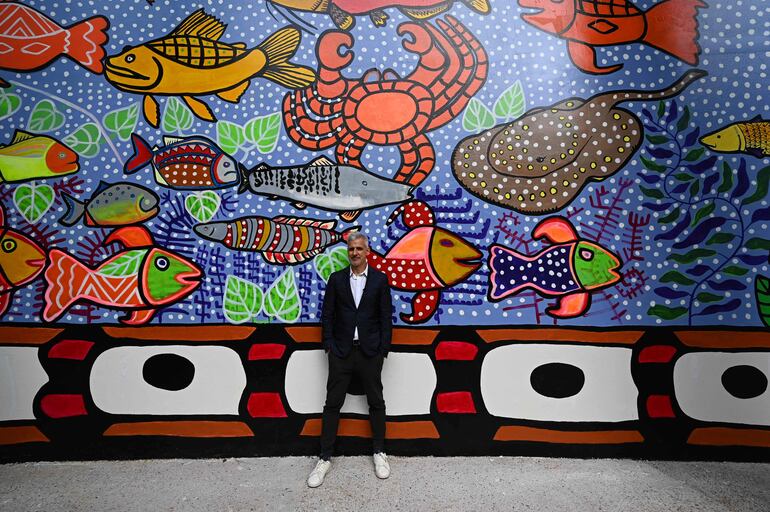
x: 9, y: 245
x: 364, y: 183
x: 227, y: 164
x: 130, y: 57
x: 161, y: 263
x: 586, y: 254
x: 719, y: 136
x: 447, y: 243
x: 62, y: 155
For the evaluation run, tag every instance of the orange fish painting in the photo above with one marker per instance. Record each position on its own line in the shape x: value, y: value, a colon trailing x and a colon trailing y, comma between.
x: 21, y: 261
x: 670, y: 26
x: 29, y: 40
x: 192, y: 61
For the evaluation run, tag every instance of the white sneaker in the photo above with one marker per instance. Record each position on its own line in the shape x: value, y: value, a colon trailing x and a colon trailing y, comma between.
x: 381, y: 466
x: 316, y: 477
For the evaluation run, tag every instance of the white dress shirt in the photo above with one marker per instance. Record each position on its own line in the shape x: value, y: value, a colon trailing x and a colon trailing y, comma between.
x: 357, y: 284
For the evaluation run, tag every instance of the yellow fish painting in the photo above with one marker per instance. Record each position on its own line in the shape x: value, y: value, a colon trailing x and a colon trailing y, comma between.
x: 192, y: 61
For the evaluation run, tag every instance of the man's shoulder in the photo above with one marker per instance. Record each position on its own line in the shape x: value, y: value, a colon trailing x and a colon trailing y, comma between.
x: 344, y: 273
x: 376, y: 274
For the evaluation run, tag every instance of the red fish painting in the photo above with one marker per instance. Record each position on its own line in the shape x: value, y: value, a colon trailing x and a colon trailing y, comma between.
x: 670, y: 26
x: 30, y: 40
x: 140, y: 279
x: 21, y: 260
x: 425, y: 260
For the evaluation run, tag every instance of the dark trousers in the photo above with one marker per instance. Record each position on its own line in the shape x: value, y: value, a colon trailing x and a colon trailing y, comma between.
x: 369, y: 371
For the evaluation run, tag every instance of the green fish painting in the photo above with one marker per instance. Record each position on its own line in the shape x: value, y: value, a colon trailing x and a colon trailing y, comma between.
x: 33, y: 157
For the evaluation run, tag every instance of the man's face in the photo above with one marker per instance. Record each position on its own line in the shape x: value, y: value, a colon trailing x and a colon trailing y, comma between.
x: 358, y: 250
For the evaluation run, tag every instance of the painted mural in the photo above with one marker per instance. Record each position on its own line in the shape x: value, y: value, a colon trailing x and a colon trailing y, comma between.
x: 569, y: 199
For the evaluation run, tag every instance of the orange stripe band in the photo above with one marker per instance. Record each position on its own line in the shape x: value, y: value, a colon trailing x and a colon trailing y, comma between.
x: 362, y: 428
x: 401, y: 336
x: 724, y: 339
x: 543, y: 435
x: 181, y: 429
x: 725, y: 436
x: 188, y: 333
x: 27, y: 335
x: 19, y: 435
x: 549, y: 335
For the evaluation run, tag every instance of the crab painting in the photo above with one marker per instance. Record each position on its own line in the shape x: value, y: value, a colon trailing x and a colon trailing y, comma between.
x: 382, y: 108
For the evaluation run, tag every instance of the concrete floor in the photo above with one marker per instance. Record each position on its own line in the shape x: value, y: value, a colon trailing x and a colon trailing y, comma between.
x: 417, y: 483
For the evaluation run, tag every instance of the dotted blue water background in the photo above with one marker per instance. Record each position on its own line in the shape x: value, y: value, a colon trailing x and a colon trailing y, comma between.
x: 735, y: 42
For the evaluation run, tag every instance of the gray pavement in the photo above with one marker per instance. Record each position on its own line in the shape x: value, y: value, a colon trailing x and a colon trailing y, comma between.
x: 417, y: 483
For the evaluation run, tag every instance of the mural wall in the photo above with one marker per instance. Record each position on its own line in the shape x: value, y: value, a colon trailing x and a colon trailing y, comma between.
x: 569, y: 198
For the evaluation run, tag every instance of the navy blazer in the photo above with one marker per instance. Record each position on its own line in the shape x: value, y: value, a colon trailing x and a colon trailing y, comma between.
x: 373, y: 317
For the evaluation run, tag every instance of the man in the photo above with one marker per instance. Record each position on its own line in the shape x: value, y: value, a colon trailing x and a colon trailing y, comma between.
x: 357, y: 325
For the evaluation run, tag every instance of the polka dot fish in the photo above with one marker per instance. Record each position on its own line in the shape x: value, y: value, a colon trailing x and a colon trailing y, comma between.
x: 542, y: 160
x: 192, y: 163
x: 570, y: 270
x: 425, y: 260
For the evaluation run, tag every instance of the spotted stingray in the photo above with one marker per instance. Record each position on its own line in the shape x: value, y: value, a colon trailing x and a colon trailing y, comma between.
x: 542, y: 160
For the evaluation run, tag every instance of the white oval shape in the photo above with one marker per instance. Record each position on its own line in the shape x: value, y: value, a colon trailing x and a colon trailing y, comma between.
x: 408, y: 382
x: 608, y: 394
x: 700, y: 394
x: 118, y: 387
x: 21, y: 377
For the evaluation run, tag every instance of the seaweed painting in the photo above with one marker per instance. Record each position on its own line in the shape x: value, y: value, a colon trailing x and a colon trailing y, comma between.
x: 707, y: 212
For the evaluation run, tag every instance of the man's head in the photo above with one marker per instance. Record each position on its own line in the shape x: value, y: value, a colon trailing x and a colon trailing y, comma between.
x: 358, y: 250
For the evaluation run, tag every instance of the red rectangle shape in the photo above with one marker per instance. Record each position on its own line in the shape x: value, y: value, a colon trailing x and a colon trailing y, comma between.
x: 456, y: 351
x: 70, y: 349
x: 261, y: 351
x: 266, y: 405
x: 63, y: 406
x: 657, y: 354
x: 659, y: 406
x: 455, y: 402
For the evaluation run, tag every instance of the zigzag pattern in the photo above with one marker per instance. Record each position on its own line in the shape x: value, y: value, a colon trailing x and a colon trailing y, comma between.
x: 21, y: 21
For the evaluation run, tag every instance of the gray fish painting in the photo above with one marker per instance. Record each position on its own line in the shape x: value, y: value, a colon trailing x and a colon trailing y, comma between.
x: 117, y: 204
x: 326, y: 185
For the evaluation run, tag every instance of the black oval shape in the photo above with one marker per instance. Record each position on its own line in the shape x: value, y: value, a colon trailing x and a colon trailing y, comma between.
x: 168, y: 371
x: 744, y: 381
x: 557, y: 380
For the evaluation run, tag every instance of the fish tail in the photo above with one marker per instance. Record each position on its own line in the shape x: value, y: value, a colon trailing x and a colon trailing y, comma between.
x: 87, y: 40
x: 75, y: 210
x: 279, y: 48
x: 681, y: 42
x: 65, y: 277
x: 480, y: 6
x: 345, y: 234
x: 502, y: 260
x: 141, y: 157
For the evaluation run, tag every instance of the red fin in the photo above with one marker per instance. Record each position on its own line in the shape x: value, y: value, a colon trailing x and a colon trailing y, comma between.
x: 570, y: 306
x: 416, y: 213
x: 141, y: 157
x: 423, y: 306
x: 138, y: 317
x: 5, y: 299
x: 556, y: 230
x: 62, y: 273
x: 132, y: 236
x: 584, y: 57
x: 86, y: 40
x: 672, y: 26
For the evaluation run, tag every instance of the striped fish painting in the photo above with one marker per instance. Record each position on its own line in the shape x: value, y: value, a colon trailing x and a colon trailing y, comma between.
x: 281, y: 240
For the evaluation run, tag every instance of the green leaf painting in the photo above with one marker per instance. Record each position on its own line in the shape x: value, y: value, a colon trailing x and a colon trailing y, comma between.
x: 477, y: 117
x: 45, y: 117
x: 762, y: 292
x: 510, y: 104
x: 229, y: 136
x: 282, y: 298
x: 9, y: 103
x: 33, y: 200
x: 126, y: 264
x: 666, y: 313
x: 123, y: 121
x: 85, y: 141
x: 263, y: 131
x: 331, y: 261
x: 202, y: 206
x: 242, y: 300
x: 176, y: 117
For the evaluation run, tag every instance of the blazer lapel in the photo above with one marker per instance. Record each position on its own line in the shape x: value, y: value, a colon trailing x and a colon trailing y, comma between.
x: 368, y: 286
x: 347, y: 292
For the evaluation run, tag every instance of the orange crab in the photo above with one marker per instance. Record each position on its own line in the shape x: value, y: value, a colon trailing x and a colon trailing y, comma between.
x: 383, y: 108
